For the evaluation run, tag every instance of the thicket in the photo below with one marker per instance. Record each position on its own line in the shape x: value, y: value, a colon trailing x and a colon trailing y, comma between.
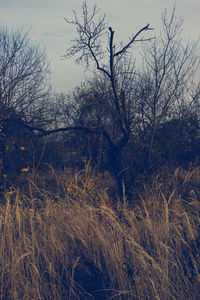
x: 129, y: 121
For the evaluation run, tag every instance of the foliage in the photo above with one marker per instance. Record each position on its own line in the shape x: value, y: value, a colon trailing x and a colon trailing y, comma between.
x: 177, y: 141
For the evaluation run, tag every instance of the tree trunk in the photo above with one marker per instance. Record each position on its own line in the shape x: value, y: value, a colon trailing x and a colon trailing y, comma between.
x: 118, y: 170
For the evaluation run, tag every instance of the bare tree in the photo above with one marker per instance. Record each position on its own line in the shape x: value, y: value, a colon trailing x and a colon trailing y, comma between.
x: 88, y: 47
x: 23, y: 77
x: 168, y: 86
x: 109, y: 105
x: 24, y: 96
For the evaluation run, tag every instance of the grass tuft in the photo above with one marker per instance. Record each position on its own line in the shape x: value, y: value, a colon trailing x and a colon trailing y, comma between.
x: 76, y: 244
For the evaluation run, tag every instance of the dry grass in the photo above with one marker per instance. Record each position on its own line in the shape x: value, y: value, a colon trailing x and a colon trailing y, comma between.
x: 81, y: 247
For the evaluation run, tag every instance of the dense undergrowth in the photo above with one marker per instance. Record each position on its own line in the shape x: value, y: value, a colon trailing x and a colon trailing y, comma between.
x: 70, y: 240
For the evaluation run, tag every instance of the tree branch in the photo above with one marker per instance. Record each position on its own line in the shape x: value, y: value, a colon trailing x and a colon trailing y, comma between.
x: 65, y: 129
x: 123, y: 50
x: 44, y: 132
x: 96, y: 61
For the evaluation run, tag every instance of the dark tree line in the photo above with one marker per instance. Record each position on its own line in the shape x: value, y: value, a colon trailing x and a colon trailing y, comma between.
x: 133, y: 120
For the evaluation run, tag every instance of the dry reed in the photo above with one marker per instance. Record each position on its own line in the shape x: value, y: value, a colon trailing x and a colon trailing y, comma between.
x: 76, y: 248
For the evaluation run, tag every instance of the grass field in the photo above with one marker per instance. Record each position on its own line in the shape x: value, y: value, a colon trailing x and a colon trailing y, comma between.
x: 74, y: 242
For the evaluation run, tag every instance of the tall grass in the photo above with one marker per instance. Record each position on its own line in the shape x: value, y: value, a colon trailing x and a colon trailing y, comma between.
x: 81, y: 246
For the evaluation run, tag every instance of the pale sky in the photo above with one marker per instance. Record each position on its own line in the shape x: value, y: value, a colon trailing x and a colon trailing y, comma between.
x: 50, y: 30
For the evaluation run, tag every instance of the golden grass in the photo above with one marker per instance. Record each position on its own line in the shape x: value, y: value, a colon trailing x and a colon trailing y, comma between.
x: 82, y: 247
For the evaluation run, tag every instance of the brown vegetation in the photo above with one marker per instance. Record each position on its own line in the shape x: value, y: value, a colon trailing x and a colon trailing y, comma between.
x: 127, y: 225
x: 78, y: 245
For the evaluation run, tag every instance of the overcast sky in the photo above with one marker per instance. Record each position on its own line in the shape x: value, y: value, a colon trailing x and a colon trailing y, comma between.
x: 49, y: 29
